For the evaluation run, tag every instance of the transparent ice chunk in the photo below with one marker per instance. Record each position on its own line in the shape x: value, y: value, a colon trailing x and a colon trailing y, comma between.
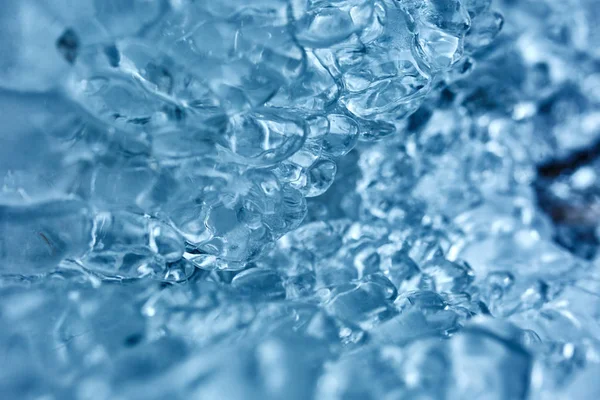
x: 37, y: 236
x: 505, y: 373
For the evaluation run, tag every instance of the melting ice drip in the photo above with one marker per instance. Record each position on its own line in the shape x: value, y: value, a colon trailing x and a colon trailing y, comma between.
x: 296, y: 199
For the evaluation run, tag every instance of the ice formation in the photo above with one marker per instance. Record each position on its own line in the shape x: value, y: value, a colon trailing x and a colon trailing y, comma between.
x: 299, y: 199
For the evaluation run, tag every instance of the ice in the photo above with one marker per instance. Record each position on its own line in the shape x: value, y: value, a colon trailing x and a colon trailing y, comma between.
x: 341, y: 136
x: 259, y: 283
x: 495, y: 357
x: 40, y: 235
x: 68, y: 45
x: 299, y: 199
x: 29, y: 36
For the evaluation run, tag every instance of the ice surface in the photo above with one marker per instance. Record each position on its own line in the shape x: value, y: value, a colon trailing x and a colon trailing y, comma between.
x: 297, y: 199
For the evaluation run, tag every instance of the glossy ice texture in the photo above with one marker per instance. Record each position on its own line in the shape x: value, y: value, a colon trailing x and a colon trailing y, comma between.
x: 299, y: 199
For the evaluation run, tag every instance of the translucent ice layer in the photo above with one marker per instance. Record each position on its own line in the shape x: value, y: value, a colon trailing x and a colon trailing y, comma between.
x: 296, y: 199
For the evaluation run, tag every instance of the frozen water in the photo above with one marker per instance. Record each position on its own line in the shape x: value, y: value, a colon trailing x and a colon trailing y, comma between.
x: 299, y: 199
